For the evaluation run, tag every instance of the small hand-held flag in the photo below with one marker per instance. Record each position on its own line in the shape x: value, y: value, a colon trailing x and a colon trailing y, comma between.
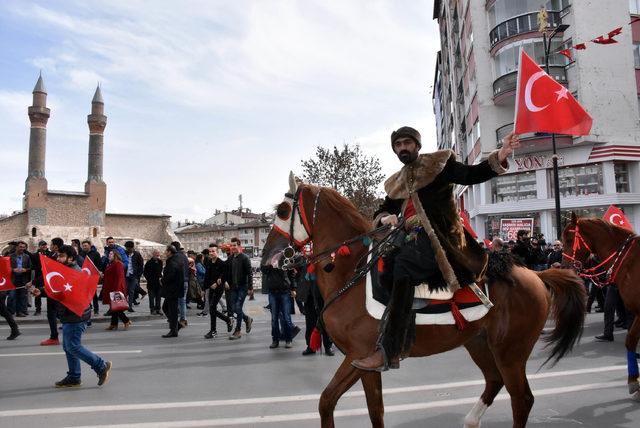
x: 544, y: 105
x: 74, y: 289
x: 5, y: 274
x: 615, y: 216
x: 90, y: 269
x: 467, y: 224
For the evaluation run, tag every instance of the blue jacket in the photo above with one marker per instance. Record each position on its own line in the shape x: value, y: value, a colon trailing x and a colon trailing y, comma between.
x: 123, y: 255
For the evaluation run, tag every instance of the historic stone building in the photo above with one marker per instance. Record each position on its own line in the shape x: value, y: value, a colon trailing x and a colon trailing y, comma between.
x: 51, y: 213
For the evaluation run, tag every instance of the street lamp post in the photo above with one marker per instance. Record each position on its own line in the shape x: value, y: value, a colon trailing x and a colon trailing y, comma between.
x: 556, y: 182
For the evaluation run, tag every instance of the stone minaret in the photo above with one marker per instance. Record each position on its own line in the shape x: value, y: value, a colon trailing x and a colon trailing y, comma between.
x: 35, y: 194
x: 95, y: 185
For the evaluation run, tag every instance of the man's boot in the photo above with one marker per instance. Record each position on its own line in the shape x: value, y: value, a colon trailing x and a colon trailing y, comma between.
x: 395, y: 323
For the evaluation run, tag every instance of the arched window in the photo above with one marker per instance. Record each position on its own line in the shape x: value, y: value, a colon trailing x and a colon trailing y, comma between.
x: 94, y: 232
x: 34, y: 232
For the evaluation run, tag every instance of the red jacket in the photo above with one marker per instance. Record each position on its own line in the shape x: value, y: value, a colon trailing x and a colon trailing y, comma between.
x: 113, y: 281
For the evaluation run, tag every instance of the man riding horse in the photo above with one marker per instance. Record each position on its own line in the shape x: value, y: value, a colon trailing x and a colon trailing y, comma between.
x: 437, y: 251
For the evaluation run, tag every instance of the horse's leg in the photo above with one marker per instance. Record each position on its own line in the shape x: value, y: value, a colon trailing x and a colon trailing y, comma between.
x: 342, y: 380
x: 631, y: 343
x: 483, y: 357
x: 515, y: 380
x: 372, y: 384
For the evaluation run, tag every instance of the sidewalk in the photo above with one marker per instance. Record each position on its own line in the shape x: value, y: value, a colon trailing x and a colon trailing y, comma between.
x: 253, y: 308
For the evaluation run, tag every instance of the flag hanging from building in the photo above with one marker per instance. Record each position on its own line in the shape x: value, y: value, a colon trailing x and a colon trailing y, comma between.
x: 6, y: 283
x: 615, y: 216
x: 544, y: 105
x: 74, y: 289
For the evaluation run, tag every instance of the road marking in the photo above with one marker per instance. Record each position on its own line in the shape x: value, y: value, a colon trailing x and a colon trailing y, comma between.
x: 282, y: 399
x: 38, y: 354
x: 247, y: 420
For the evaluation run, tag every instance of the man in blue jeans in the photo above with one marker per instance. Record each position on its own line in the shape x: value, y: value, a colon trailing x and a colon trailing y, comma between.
x: 240, y: 283
x: 281, y: 287
x: 73, y: 326
x: 133, y: 273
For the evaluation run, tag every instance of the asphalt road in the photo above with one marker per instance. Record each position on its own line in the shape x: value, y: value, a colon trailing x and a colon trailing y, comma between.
x: 190, y: 381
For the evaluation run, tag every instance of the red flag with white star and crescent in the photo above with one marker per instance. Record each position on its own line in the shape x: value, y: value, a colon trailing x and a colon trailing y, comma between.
x: 615, y: 216
x: 544, y: 105
x: 5, y: 274
x: 90, y: 269
x: 74, y: 289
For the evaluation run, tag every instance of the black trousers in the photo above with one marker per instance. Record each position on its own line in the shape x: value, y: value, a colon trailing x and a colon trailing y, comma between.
x: 311, y: 309
x: 214, y: 313
x: 170, y: 308
x: 4, y: 312
x: 119, y: 316
x: 154, y: 298
x: 414, y: 263
x: 52, y: 314
x: 595, y: 294
x: 612, y: 304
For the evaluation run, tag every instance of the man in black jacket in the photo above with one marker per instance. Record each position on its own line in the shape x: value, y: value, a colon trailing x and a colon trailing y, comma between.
x: 153, y: 274
x: 282, y: 289
x: 21, y: 274
x: 240, y: 283
x: 213, y: 285
x: 133, y: 272
x: 73, y: 327
x: 172, y: 288
x: 43, y: 248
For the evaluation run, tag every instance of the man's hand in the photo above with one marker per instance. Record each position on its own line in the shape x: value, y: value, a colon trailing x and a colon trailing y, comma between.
x: 35, y: 291
x: 390, y: 219
x: 293, y: 294
x: 509, y: 144
x: 226, y: 286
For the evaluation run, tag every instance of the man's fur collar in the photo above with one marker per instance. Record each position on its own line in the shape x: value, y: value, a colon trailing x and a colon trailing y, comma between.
x: 423, y: 171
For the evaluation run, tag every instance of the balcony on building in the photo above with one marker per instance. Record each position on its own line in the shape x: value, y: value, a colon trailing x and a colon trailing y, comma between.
x: 504, y: 87
x: 518, y: 26
x: 533, y: 141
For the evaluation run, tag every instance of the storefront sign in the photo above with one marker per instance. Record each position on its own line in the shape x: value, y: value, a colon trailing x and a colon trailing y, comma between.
x: 509, y: 227
x: 533, y: 162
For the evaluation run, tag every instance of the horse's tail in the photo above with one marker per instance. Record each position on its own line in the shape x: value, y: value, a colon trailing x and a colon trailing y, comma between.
x: 569, y: 301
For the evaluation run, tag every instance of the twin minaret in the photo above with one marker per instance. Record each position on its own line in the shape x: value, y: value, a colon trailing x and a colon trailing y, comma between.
x: 36, y: 184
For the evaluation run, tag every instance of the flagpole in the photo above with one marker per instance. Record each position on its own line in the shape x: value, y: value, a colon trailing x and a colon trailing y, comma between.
x: 556, y: 181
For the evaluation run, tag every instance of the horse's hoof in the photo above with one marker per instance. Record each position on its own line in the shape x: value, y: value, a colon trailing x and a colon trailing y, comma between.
x: 468, y: 424
x: 633, y: 387
x: 636, y: 396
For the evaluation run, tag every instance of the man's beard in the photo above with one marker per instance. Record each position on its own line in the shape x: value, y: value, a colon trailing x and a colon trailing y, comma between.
x: 406, y: 157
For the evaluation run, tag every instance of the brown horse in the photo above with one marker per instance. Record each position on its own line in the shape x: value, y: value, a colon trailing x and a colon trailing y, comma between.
x: 618, y: 250
x: 499, y: 344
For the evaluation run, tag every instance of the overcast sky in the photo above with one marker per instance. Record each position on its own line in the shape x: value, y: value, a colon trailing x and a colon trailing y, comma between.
x: 207, y: 100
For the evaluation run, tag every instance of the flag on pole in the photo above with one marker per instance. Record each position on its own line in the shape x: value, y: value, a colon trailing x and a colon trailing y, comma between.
x: 6, y: 283
x: 544, y: 105
x: 90, y: 269
x: 615, y: 216
x: 73, y: 289
x: 467, y: 224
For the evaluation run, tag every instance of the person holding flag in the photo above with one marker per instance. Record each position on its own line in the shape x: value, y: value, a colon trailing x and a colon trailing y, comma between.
x: 6, y: 284
x: 73, y: 290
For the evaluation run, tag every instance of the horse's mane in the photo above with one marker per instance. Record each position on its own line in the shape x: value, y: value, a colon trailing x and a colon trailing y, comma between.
x: 598, y: 224
x: 345, y: 207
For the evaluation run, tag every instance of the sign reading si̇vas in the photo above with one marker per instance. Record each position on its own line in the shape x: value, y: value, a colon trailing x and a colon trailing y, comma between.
x: 509, y: 227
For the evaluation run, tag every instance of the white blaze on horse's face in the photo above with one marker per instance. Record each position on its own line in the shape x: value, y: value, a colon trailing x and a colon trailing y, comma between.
x: 285, y: 215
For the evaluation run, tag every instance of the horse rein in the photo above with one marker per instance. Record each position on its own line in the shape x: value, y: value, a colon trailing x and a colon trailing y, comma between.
x: 593, y: 273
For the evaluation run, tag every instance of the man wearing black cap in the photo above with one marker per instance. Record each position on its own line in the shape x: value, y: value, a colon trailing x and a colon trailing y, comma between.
x: 438, y: 250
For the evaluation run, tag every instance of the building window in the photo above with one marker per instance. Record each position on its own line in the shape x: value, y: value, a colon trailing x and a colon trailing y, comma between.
x: 578, y: 181
x: 34, y: 232
x: 636, y: 54
x: 514, y: 187
x: 507, y: 59
x: 94, y: 232
x: 622, y: 177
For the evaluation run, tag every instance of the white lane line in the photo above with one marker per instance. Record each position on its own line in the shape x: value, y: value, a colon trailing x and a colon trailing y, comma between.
x: 38, y: 354
x: 248, y: 420
x: 279, y: 399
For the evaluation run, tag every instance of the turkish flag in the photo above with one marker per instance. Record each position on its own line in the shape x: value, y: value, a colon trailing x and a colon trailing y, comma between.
x: 90, y: 269
x: 544, y: 105
x: 615, y: 216
x: 5, y: 274
x: 487, y: 243
x: 467, y: 224
x: 74, y: 289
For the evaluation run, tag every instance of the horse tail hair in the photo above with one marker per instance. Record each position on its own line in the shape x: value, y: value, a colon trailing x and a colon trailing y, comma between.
x: 568, y: 307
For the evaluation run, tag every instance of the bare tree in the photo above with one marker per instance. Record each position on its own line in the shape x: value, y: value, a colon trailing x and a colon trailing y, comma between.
x: 348, y: 170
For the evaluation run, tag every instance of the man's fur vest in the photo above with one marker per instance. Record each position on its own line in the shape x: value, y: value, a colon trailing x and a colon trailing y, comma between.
x: 429, y: 181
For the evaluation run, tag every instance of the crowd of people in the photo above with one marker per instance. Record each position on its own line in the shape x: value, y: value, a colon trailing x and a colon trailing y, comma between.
x: 216, y: 280
x: 536, y: 254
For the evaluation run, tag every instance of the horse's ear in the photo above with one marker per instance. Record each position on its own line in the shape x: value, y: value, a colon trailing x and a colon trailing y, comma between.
x: 293, y: 185
x: 574, y: 218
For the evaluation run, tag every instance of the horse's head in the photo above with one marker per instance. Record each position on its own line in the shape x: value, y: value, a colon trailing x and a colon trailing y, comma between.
x: 576, y: 249
x: 291, y: 230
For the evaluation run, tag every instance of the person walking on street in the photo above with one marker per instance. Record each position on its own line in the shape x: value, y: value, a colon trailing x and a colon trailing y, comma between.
x: 52, y: 305
x: 134, y: 272
x: 172, y: 289
x: 213, y: 285
x: 90, y: 251
x: 240, y: 283
x: 21, y: 275
x: 73, y: 327
x: 281, y: 287
x: 4, y: 312
x: 43, y: 248
x: 114, y: 282
x: 153, y: 273
x: 182, y: 258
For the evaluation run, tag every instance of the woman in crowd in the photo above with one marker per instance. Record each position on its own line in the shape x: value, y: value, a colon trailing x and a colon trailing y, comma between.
x: 114, y: 281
